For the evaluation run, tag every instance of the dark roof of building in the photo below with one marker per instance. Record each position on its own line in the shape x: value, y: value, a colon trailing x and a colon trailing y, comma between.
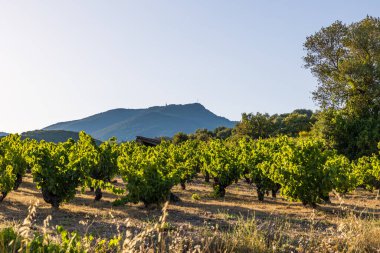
x: 147, y: 141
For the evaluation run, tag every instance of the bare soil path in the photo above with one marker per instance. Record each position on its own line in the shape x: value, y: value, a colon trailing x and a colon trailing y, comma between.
x: 105, y: 220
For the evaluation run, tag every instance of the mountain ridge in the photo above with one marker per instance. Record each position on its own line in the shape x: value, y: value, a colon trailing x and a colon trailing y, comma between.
x: 155, y: 121
x: 52, y: 135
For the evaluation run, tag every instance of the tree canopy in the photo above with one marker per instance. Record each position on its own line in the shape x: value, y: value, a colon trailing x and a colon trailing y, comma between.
x: 345, y: 60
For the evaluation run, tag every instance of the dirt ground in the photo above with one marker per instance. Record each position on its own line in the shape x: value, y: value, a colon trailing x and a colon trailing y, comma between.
x: 102, y: 219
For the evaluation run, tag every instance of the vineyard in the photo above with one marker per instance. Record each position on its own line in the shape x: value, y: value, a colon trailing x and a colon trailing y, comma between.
x: 122, y: 158
x: 299, y: 169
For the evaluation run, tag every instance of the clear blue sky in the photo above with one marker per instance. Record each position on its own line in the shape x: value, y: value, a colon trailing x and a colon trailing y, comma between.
x: 64, y: 60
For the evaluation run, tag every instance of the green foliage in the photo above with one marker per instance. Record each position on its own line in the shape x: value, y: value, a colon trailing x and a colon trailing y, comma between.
x: 220, y: 161
x: 180, y: 137
x: 341, y: 173
x: 307, y: 171
x: 7, y: 179
x: 107, y: 167
x: 13, y: 163
x: 345, y: 60
x: 295, y: 123
x: 195, y: 197
x: 222, y: 133
x: 367, y: 170
x: 55, y: 174
x: 147, y: 173
x: 98, y: 163
x: 202, y: 135
x: 264, y: 125
x: 11, y: 241
x: 84, y: 155
x: 14, y: 153
x: 251, y: 155
x: 305, y: 168
x: 185, y: 159
x: 352, y: 135
x: 255, y: 126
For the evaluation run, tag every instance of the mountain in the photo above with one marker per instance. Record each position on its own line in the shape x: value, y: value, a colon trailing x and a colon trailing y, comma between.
x: 52, y: 135
x: 3, y: 134
x: 126, y: 124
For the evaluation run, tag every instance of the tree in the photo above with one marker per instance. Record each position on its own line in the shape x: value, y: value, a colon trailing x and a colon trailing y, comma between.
x: 222, y: 132
x: 202, y: 135
x: 255, y: 125
x: 264, y: 125
x: 180, y: 137
x: 345, y: 60
x: 295, y: 123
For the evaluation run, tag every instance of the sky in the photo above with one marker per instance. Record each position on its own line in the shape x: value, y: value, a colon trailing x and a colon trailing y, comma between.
x: 68, y: 59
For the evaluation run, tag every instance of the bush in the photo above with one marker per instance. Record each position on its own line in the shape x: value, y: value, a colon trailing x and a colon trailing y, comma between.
x: 147, y: 174
x: 304, y: 170
x: 14, y: 153
x: 367, y: 170
x: 7, y: 178
x: 184, y: 158
x: 251, y: 155
x: 98, y: 163
x: 220, y: 161
x: 53, y: 173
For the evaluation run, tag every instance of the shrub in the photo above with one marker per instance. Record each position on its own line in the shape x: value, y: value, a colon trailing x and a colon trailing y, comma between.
x: 184, y: 158
x: 220, y: 161
x: 304, y: 170
x: 14, y: 153
x: 148, y: 176
x: 7, y: 178
x: 251, y: 155
x: 98, y: 163
x: 53, y: 174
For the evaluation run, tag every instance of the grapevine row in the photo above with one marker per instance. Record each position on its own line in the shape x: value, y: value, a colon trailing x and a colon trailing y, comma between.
x: 301, y: 169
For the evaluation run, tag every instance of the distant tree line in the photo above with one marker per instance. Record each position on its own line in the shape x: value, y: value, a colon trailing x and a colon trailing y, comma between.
x: 257, y: 126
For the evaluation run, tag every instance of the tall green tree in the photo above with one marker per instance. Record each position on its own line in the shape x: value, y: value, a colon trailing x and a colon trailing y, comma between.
x: 345, y: 60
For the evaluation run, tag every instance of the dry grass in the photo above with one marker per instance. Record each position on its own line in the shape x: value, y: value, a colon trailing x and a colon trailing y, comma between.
x: 236, y: 223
